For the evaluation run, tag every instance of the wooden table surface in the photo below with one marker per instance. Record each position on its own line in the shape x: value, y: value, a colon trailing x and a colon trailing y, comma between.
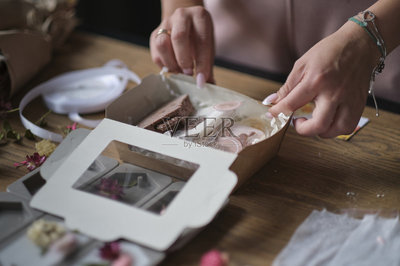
x: 308, y: 173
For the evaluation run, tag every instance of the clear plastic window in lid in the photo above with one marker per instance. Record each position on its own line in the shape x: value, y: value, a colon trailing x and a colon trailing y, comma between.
x: 142, y: 178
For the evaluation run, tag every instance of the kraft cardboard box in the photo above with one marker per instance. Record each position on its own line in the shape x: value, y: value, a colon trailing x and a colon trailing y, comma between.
x: 155, y: 90
x: 162, y: 190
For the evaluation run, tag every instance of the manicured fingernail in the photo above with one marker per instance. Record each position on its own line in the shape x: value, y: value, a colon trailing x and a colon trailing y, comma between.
x: 200, y: 80
x: 187, y: 71
x: 270, y: 99
x: 269, y: 115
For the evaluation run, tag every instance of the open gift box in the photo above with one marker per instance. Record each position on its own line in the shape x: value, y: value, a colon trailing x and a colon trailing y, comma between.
x: 156, y: 90
x: 163, y: 188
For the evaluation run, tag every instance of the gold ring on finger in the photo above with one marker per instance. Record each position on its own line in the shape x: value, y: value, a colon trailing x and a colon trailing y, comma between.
x: 163, y: 31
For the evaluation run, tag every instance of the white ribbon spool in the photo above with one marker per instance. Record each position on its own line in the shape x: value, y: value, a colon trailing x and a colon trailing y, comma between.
x: 79, y: 92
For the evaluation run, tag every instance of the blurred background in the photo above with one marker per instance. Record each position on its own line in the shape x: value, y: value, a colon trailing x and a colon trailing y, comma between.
x: 133, y: 21
x: 127, y: 20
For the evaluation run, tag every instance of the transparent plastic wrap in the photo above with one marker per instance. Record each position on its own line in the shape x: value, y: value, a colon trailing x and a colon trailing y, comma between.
x: 353, y: 237
x: 218, y: 118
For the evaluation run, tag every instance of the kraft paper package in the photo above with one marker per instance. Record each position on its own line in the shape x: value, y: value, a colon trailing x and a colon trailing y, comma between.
x: 155, y: 90
x: 29, y: 32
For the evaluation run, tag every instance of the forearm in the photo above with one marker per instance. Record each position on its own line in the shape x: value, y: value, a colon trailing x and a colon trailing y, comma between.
x: 169, y: 6
x: 387, y: 14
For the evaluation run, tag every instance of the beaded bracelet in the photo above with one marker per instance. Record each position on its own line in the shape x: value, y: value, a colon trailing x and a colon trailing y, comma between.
x: 366, y: 20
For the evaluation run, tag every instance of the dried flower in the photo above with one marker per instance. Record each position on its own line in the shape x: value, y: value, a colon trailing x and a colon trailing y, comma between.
x: 73, y: 126
x: 43, y: 233
x: 45, y: 147
x: 9, y: 133
x: 214, y: 258
x: 110, y: 188
x: 110, y: 251
x: 70, y: 128
x: 12, y: 134
x: 32, y: 162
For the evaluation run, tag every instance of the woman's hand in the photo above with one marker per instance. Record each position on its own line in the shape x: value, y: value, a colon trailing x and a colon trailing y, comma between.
x: 335, y: 74
x: 190, y: 45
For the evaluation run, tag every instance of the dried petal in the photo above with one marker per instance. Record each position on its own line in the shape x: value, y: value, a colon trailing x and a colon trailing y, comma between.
x: 110, y: 251
x: 12, y: 134
x: 73, y: 126
x: 110, y: 188
x: 214, y: 258
x: 32, y: 162
x: 45, y: 147
x: 70, y: 128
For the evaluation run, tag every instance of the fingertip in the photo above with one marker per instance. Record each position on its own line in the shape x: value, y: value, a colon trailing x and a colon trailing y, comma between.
x: 187, y: 71
x: 204, y: 62
x: 200, y: 80
x: 270, y: 99
x: 297, y: 122
x: 269, y: 115
x: 205, y: 70
x: 275, y: 110
x: 300, y: 125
